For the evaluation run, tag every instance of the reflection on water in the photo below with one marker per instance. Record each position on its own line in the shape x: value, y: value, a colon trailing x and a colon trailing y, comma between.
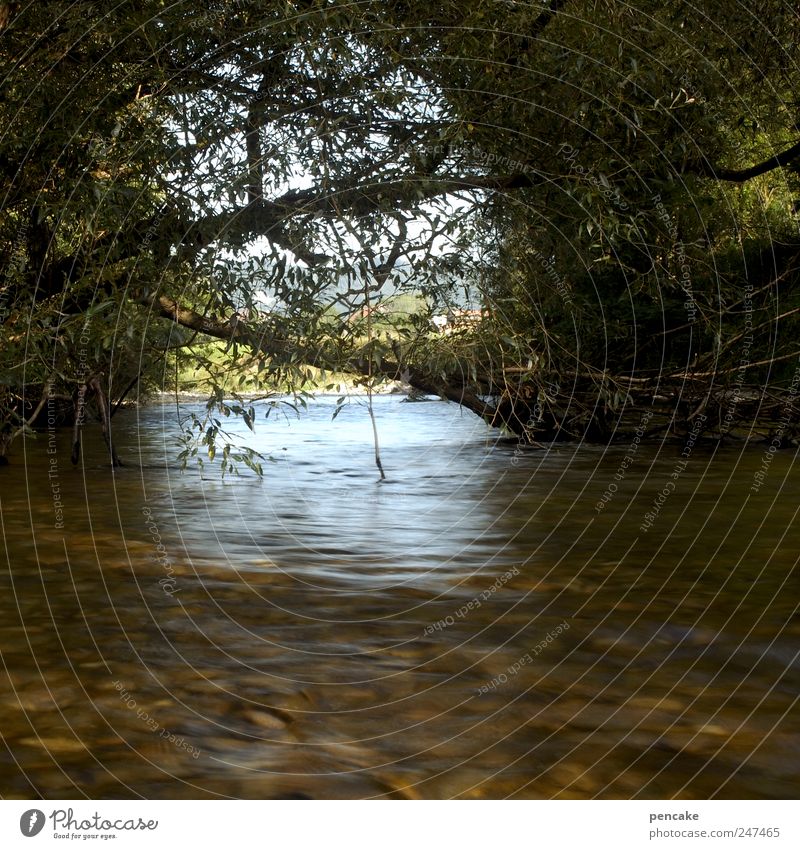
x: 321, y: 634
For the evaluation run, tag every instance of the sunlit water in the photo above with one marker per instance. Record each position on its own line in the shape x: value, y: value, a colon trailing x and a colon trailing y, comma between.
x: 472, y: 627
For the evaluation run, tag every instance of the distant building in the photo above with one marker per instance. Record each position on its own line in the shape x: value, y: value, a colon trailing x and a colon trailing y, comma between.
x: 458, y: 319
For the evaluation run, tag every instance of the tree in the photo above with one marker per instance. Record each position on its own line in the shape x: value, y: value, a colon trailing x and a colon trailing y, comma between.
x: 165, y: 166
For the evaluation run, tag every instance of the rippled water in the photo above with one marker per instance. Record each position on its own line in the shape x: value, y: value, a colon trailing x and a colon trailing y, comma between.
x: 472, y: 627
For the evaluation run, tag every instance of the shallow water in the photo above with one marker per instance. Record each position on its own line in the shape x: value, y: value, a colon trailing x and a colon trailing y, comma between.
x: 473, y: 627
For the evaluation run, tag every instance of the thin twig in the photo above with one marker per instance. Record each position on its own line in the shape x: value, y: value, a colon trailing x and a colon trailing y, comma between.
x: 26, y: 424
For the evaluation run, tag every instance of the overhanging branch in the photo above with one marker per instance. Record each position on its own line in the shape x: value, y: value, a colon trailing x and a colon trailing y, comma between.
x: 259, y: 339
x: 780, y: 160
x: 268, y: 217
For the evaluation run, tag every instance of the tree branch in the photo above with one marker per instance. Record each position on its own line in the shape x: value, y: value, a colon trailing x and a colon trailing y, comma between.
x: 743, y: 175
x: 258, y: 339
x: 547, y: 15
x: 267, y: 217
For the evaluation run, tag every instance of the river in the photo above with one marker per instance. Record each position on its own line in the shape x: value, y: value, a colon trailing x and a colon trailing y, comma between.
x: 476, y: 626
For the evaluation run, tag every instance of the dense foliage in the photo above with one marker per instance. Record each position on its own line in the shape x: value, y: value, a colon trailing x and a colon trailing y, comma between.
x: 612, y: 187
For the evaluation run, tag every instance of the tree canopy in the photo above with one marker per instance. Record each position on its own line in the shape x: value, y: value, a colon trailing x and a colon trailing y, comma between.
x: 612, y: 187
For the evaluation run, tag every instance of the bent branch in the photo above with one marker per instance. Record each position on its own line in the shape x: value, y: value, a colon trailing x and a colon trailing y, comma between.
x: 271, y: 342
x: 780, y: 160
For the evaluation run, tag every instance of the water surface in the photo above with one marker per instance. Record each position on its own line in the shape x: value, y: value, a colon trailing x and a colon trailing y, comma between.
x: 473, y: 627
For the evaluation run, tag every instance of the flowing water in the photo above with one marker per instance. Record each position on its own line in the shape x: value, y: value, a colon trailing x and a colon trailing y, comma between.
x: 472, y: 627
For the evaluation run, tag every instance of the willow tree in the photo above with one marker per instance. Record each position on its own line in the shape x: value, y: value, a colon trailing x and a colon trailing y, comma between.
x: 166, y: 168
x: 173, y: 163
x: 653, y: 263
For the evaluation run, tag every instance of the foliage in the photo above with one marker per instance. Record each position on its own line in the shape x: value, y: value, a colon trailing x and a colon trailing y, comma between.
x: 600, y: 178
